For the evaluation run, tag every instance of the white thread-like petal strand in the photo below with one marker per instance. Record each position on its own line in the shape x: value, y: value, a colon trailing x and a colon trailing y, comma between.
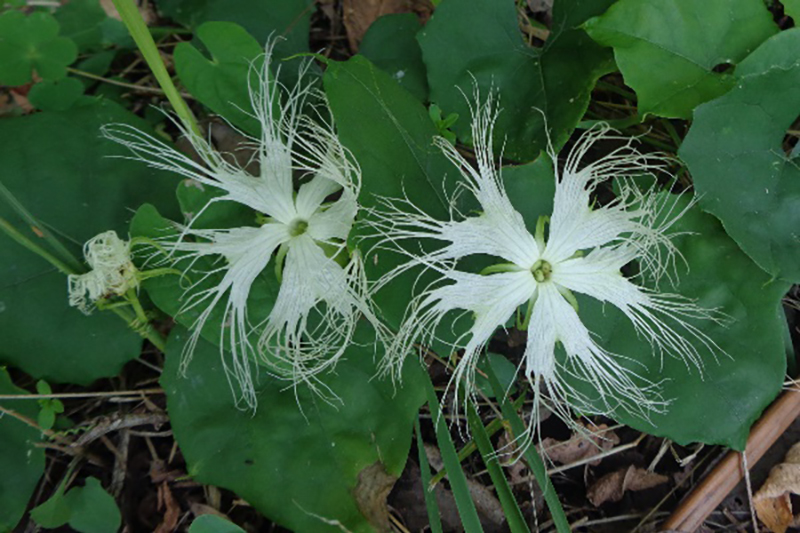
x: 247, y: 252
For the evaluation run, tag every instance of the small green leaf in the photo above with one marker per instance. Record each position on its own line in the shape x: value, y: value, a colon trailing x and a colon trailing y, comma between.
x: 300, y: 461
x: 792, y: 8
x: 29, y: 43
x: 208, y: 523
x: 739, y: 167
x: 92, y: 509
x: 81, y: 21
x: 21, y: 463
x: 263, y: 19
x: 390, y: 44
x: 221, y: 82
x: 470, y: 42
x: 57, y: 95
x: 54, y: 512
x: 668, y: 50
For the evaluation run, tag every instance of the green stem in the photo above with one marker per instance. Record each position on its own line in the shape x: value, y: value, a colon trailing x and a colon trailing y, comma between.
x: 147, y: 331
x: 12, y: 232
x: 29, y: 219
x: 144, y: 40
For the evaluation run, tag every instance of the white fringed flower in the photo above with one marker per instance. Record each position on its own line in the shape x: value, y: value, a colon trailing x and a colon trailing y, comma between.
x: 323, y: 290
x: 112, y: 272
x: 583, y: 252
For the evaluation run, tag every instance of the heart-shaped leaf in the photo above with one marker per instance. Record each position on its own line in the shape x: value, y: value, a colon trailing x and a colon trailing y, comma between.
x: 469, y: 42
x: 669, y: 51
x: 739, y: 167
x: 221, y: 82
x: 307, y: 465
x: 59, y: 168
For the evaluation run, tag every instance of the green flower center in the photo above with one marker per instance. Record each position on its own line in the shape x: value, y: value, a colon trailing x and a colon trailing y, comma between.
x: 541, y: 270
x: 297, y: 227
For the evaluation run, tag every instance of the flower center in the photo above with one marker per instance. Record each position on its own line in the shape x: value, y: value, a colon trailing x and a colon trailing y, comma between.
x: 297, y: 227
x: 541, y: 270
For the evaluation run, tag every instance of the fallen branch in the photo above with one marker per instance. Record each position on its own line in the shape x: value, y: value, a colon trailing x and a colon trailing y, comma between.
x: 702, y: 501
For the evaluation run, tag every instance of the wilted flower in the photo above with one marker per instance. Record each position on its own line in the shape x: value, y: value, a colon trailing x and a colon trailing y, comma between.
x: 112, y: 273
x: 583, y: 252
x: 323, y: 289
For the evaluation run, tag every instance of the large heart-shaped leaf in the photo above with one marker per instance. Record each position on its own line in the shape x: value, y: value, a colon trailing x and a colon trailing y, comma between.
x: 221, y: 82
x: 471, y: 42
x: 740, y: 170
x: 59, y: 168
x: 308, y: 465
x: 747, y: 371
x: 21, y: 462
x: 668, y: 51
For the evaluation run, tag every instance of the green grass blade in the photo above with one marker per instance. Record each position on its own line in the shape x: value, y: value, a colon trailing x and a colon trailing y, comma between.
x: 144, y: 40
x: 458, y: 481
x: 531, y: 454
x: 516, y: 522
x: 434, y: 517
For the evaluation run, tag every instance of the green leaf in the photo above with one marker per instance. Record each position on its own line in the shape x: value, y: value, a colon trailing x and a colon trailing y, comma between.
x: 301, y: 462
x: 54, y: 512
x: 29, y: 43
x: 57, y: 165
x: 720, y: 406
x: 57, y: 95
x: 92, y: 509
x: 289, y: 19
x: 391, y: 136
x: 740, y: 170
x: 668, y: 50
x: 390, y: 44
x: 792, y: 8
x: 469, y: 42
x: 208, y: 523
x: 504, y: 369
x: 21, y: 462
x: 222, y: 82
x: 81, y: 21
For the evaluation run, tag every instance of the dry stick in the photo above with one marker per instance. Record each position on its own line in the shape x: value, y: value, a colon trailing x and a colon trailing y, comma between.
x: 72, y: 395
x: 691, y: 513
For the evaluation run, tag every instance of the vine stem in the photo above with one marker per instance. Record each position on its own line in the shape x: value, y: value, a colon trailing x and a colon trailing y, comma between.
x: 144, y: 40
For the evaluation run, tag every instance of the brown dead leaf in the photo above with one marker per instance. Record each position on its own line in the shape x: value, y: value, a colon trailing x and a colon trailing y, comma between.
x: 358, y: 15
x: 611, y: 487
x: 145, y: 8
x: 580, y: 446
x: 172, y: 511
x: 773, y: 500
x: 374, y: 485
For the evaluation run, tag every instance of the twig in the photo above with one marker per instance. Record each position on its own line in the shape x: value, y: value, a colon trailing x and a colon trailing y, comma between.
x: 72, y: 395
x: 691, y: 513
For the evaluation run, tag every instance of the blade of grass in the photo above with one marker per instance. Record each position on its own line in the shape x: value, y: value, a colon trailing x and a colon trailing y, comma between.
x: 434, y: 518
x: 470, y: 447
x: 144, y: 40
x: 458, y: 481
x: 531, y: 455
x: 66, y: 257
x: 514, y: 518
